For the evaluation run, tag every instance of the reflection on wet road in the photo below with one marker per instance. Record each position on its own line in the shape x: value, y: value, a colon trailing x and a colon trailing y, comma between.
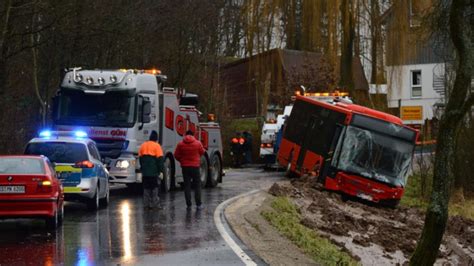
x: 126, y: 234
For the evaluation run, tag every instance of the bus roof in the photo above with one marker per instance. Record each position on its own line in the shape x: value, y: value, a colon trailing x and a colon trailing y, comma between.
x: 354, y: 108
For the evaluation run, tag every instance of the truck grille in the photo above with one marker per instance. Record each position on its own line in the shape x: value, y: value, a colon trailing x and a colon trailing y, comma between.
x: 110, y: 148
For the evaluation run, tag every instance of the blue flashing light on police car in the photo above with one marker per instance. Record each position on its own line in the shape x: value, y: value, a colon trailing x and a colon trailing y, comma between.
x: 45, y: 134
x: 80, y: 134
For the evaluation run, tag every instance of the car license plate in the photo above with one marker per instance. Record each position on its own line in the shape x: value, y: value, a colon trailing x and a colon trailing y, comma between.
x: 12, y: 189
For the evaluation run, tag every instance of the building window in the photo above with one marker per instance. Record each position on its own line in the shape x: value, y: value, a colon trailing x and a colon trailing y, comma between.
x: 416, y: 84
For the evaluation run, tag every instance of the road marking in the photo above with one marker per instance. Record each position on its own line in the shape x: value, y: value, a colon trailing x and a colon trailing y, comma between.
x: 218, y: 220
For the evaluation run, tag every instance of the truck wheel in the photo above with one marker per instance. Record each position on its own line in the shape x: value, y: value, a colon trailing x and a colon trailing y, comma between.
x: 167, y: 183
x: 204, y: 171
x: 93, y: 204
x: 215, y: 171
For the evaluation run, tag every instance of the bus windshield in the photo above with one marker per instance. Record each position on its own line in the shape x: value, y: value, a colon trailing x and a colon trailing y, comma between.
x: 375, y: 155
x: 116, y: 108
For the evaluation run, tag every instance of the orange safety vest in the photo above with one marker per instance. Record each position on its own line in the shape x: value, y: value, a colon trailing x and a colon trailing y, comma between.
x: 151, y: 148
x: 235, y: 140
x: 241, y: 141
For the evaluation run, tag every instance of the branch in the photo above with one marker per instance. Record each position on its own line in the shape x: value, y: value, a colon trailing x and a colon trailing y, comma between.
x: 23, y: 48
x: 33, y: 32
x: 25, y: 5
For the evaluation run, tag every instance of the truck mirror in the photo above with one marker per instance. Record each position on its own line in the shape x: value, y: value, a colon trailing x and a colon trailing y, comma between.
x: 146, y: 118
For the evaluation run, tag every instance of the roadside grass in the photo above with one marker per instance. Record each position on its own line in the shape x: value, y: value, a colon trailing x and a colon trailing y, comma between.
x: 286, y: 218
x: 464, y: 209
x: 415, y: 197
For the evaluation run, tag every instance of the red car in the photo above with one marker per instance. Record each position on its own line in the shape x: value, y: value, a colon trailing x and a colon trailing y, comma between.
x: 29, y: 188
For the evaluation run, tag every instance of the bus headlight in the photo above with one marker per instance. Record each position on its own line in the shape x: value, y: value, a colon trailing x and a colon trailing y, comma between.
x: 122, y: 164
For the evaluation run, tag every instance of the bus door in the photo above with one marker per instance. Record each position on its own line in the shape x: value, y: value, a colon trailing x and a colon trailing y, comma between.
x: 314, y: 123
x: 327, y: 168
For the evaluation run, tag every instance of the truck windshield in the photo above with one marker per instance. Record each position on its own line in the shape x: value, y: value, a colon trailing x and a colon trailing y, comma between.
x: 375, y: 156
x: 115, y: 108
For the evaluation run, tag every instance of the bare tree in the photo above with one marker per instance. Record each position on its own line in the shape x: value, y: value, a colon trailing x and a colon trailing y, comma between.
x: 461, y: 30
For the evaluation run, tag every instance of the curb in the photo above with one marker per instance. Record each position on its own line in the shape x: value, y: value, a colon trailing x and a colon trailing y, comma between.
x: 240, y: 249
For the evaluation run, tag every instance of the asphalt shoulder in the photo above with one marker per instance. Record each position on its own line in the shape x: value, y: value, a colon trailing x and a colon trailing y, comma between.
x: 244, y: 217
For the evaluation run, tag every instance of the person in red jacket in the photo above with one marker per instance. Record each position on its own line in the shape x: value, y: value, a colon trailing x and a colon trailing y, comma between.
x: 188, y: 153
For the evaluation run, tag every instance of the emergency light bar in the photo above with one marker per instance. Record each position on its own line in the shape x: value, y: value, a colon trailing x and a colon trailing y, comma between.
x: 108, y: 77
x: 45, y: 134
x: 77, y: 134
x: 323, y: 94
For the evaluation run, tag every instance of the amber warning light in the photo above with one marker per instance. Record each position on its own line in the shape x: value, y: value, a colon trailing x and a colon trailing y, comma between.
x: 211, y: 117
x: 153, y: 71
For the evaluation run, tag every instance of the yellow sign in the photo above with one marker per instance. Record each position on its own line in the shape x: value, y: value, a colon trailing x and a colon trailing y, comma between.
x: 411, y: 113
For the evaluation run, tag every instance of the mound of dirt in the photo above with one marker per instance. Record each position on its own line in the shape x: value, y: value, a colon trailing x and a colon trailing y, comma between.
x: 373, y: 233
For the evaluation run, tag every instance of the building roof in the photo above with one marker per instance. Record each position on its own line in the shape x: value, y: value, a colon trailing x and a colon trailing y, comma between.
x: 240, y: 78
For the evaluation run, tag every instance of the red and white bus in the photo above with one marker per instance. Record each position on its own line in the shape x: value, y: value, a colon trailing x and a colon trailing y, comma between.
x: 356, y: 150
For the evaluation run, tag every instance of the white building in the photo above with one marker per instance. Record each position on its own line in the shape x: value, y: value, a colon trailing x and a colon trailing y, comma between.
x: 417, y: 90
x: 415, y: 66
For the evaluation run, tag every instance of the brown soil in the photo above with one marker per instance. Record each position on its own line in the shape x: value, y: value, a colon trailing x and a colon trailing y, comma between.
x: 359, y: 226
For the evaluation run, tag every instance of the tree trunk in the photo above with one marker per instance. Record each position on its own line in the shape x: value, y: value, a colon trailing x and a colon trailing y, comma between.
x: 4, y: 32
x: 461, y: 31
x: 437, y: 213
x: 333, y: 18
x: 375, y: 32
x: 34, y: 55
x: 346, y: 79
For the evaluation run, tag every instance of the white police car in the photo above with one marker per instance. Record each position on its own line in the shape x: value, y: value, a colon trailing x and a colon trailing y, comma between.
x: 78, y: 164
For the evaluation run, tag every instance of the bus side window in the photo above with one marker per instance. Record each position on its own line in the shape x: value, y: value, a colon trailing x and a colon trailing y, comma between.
x: 326, y: 128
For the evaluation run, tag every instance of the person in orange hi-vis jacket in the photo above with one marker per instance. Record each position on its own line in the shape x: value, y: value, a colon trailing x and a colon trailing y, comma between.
x: 151, y: 165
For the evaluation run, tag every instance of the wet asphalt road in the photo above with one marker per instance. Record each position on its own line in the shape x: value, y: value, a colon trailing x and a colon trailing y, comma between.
x: 126, y: 234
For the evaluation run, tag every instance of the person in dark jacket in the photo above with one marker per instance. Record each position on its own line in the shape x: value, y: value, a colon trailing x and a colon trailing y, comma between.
x: 151, y: 164
x: 247, y: 147
x: 188, y: 153
x: 236, y: 150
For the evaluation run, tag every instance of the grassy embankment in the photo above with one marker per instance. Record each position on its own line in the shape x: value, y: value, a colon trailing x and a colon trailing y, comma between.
x: 416, y: 196
x: 286, y: 218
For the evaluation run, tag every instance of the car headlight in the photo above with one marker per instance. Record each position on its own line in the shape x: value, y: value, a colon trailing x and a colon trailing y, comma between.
x: 122, y: 164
